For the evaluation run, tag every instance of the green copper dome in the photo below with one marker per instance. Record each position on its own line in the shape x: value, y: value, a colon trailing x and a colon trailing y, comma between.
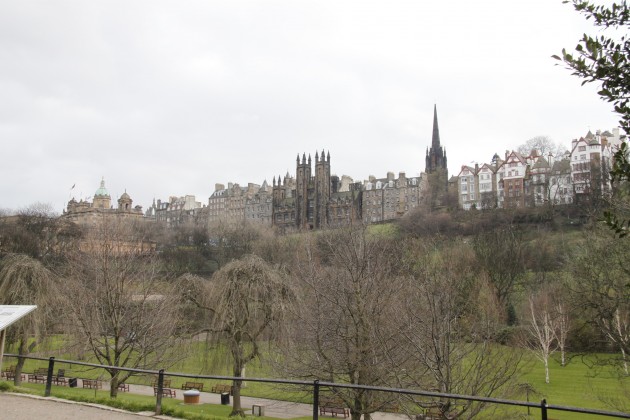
x: 102, y: 191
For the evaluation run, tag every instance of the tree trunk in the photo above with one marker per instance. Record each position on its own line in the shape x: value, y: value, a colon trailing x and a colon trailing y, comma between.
x: 546, y: 370
x: 113, y: 386
x: 237, y: 410
x: 22, y: 351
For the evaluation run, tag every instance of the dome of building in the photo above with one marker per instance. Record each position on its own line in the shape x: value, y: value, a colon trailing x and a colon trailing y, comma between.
x: 125, y: 196
x: 102, y: 191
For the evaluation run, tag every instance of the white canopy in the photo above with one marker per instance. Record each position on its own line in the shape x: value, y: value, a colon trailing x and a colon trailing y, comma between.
x: 11, y: 313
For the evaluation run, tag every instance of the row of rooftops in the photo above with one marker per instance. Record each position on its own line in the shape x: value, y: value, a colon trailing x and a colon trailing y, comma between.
x: 557, y: 164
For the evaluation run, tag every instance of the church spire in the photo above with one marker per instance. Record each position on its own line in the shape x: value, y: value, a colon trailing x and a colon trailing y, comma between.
x: 436, y: 155
x: 435, y: 141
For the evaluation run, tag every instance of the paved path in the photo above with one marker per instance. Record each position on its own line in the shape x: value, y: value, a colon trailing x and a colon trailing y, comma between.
x: 273, y: 408
x: 27, y: 407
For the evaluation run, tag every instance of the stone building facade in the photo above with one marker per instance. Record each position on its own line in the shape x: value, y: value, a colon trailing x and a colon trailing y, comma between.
x: 85, y: 213
x: 175, y: 211
x: 579, y: 175
x: 314, y: 199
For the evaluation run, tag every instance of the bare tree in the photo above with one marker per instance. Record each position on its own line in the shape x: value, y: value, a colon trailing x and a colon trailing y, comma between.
x: 542, y: 328
x: 231, y: 242
x: 563, y: 327
x: 601, y: 287
x: 543, y: 145
x: 246, y: 301
x: 118, y: 302
x: 346, y: 325
x: 500, y: 253
x: 449, y: 325
x: 37, y: 231
x: 25, y: 281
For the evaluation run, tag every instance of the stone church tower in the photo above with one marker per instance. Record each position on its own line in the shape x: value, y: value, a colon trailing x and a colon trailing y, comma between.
x: 436, y: 156
x: 322, y: 189
x: 302, y: 181
x: 312, y: 193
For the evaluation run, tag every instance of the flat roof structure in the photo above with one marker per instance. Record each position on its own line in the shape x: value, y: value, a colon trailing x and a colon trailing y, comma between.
x: 10, y: 314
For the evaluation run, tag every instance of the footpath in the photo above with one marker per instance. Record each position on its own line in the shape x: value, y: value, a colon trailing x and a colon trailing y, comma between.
x: 27, y: 407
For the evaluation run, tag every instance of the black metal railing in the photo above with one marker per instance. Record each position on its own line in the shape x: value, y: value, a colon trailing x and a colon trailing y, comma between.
x: 316, y: 385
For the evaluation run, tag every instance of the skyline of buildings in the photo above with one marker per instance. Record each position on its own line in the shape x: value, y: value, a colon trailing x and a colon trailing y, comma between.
x: 315, y: 197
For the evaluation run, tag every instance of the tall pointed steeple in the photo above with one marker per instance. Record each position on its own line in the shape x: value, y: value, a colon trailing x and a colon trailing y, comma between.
x: 435, y: 141
x: 436, y: 155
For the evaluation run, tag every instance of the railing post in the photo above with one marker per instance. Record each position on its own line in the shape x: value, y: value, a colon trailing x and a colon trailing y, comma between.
x: 543, y: 409
x: 49, y: 376
x: 160, y: 388
x: 316, y: 399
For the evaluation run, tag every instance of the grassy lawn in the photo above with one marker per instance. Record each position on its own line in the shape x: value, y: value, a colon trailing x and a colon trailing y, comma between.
x: 134, y: 402
x: 573, y: 385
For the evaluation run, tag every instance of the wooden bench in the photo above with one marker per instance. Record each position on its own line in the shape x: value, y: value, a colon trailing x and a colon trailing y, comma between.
x: 123, y: 387
x: 165, y: 384
x: 60, y: 379
x: 38, y: 376
x: 193, y: 385
x: 435, y: 413
x: 333, y: 406
x: 221, y: 388
x: 9, y: 374
x: 166, y: 392
x: 92, y: 383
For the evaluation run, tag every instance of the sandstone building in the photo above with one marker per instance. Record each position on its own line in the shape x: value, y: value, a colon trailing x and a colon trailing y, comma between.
x: 86, y: 213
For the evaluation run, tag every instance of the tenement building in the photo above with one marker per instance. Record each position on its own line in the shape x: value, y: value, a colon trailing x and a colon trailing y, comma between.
x: 175, y: 211
x: 315, y: 198
x: 579, y: 175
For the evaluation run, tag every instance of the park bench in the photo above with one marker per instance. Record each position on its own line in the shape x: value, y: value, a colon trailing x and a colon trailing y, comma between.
x: 435, y: 413
x: 38, y: 376
x: 123, y: 387
x: 92, y: 383
x: 9, y: 374
x: 332, y: 405
x: 221, y: 388
x: 166, y: 392
x: 193, y: 385
x: 165, y: 384
x: 60, y: 379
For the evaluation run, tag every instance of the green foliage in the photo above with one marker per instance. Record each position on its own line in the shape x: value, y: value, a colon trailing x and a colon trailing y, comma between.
x: 604, y: 59
x: 617, y: 218
x: 6, y: 386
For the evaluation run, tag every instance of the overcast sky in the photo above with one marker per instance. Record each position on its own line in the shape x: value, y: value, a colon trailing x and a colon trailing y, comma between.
x: 167, y: 98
